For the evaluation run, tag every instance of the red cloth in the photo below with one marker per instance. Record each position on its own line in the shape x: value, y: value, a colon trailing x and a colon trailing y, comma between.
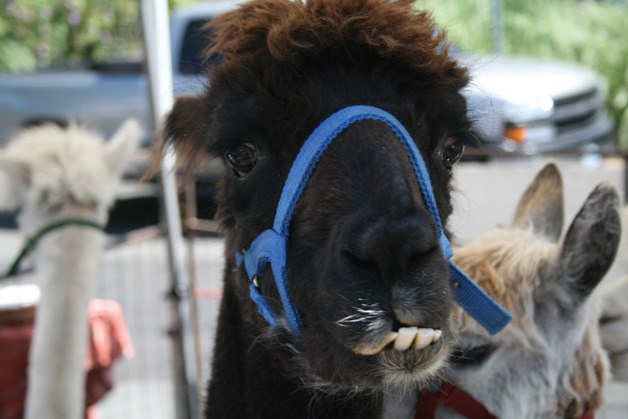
x: 109, y: 341
x: 450, y: 396
x: 460, y: 401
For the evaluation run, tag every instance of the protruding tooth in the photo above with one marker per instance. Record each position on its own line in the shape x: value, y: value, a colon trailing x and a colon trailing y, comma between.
x: 366, y: 350
x: 405, y: 338
x: 424, y: 337
x: 372, y: 350
x: 392, y: 336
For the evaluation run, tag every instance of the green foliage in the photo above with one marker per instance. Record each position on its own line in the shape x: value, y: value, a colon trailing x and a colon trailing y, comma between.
x: 40, y: 33
x: 15, y: 57
x: 588, y: 32
x: 43, y: 33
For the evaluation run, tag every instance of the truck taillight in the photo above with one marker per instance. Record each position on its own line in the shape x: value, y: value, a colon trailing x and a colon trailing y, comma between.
x: 516, y: 133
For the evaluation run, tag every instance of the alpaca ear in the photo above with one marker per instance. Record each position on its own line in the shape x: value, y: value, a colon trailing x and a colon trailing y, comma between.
x: 184, y: 126
x: 15, y: 176
x: 541, y: 206
x: 181, y: 129
x: 591, y: 243
x: 122, y: 146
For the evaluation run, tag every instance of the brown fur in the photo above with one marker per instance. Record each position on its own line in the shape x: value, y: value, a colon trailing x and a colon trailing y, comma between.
x: 276, y: 42
x: 290, y: 33
x: 270, y: 46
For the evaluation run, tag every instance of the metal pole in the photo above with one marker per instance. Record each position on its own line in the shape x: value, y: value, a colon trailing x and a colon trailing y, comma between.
x: 156, y: 30
x: 626, y: 179
x: 190, y: 216
x: 498, y: 26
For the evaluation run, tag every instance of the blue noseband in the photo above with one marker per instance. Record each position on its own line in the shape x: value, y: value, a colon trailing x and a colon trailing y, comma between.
x: 271, y: 246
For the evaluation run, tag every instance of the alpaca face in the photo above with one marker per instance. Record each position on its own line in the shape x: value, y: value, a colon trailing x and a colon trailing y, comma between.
x: 364, y: 262
x: 549, y: 361
x: 58, y: 173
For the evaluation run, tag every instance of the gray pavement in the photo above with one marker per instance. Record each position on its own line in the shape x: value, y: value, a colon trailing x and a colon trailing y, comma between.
x: 136, y: 275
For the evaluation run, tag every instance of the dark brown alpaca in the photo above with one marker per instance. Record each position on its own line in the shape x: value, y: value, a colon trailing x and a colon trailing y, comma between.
x: 364, y: 265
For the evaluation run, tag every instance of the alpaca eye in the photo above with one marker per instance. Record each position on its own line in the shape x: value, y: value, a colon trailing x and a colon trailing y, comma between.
x: 242, y: 159
x: 452, y: 152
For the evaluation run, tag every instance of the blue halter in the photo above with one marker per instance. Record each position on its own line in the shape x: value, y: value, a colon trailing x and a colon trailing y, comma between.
x: 271, y: 245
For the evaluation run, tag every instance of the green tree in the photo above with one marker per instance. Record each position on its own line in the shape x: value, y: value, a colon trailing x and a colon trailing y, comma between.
x: 40, y: 33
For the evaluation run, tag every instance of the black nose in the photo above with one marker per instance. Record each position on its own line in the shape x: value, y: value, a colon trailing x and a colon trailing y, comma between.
x: 400, y: 260
x: 392, y: 248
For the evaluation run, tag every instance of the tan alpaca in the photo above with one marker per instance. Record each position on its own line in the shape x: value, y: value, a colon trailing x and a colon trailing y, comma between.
x: 549, y: 361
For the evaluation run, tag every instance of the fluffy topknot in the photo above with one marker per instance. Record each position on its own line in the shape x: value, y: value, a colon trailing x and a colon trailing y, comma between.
x: 293, y: 32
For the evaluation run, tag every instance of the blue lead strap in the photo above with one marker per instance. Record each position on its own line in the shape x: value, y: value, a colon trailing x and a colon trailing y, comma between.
x: 271, y: 245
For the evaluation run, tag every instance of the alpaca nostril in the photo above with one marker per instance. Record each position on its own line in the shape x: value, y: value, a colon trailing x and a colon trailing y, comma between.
x: 390, y: 249
x: 389, y: 258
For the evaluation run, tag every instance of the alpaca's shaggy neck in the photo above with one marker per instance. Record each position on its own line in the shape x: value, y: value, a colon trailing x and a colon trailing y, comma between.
x: 67, y: 261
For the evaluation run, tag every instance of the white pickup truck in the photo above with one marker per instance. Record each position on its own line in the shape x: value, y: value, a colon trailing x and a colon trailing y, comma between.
x: 523, y: 105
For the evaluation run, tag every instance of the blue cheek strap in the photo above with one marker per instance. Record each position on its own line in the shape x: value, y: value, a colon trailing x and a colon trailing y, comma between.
x: 270, y: 247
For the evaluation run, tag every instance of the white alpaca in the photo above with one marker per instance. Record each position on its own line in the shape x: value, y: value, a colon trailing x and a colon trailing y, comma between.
x: 62, y: 175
